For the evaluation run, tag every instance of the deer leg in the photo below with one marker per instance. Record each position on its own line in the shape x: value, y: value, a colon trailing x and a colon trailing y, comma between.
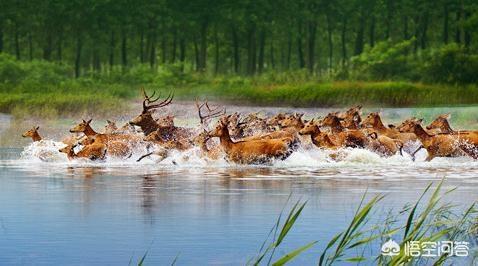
x: 144, y: 156
x: 415, y: 152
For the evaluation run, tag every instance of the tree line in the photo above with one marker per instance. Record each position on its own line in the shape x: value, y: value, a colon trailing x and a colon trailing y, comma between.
x: 220, y: 36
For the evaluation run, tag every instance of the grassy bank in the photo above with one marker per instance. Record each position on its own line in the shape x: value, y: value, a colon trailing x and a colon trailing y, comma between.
x: 76, y: 97
x: 47, y: 89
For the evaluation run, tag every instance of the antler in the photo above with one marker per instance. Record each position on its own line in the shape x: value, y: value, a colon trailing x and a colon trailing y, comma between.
x: 148, y: 100
x: 212, y: 112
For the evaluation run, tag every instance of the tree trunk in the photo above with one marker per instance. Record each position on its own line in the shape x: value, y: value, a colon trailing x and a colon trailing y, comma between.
x: 163, y: 49
x: 445, y: 23
x: 262, y: 43
x: 59, y: 46
x: 96, y: 60
x: 17, y: 43
x: 388, y: 21
x: 182, y: 52
x: 196, y: 53
x: 48, y: 46
x: 152, y: 51
x: 467, y: 32
x: 216, y: 52
x: 203, y: 45
x: 251, y: 50
x: 78, y: 55
x: 173, y: 52
x: 235, y: 43
x: 457, y: 25
x: 312, y: 28
x: 112, y: 49
x: 360, y: 34
x: 30, y: 46
x: 330, y: 42
x: 423, y: 39
x: 289, y: 51
x: 1, y: 36
x: 372, y: 31
x: 405, y: 27
x: 141, y: 46
x: 124, y: 49
x: 300, y: 53
x: 417, y: 32
x: 344, y: 41
x: 271, y: 54
x: 175, y: 44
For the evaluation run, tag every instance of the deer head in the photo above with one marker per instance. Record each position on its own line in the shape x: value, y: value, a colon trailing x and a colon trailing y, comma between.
x: 310, y: 127
x: 440, y: 122
x: 149, y: 104
x: 82, y: 127
x: 32, y: 133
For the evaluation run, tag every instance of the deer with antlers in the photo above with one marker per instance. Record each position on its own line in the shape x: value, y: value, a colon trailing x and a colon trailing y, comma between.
x: 203, y: 137
x: 145, y: 120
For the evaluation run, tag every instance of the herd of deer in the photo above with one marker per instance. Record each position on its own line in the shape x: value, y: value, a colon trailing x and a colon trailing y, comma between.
x: 252, y: 139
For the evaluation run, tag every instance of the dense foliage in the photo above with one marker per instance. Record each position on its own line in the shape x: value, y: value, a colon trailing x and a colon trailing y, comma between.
x: 363, y: 39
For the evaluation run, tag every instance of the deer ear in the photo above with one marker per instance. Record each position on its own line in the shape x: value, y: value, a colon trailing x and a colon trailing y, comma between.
x: 37, y: 128
x: 420, y: 120
x: 89, y: 121
x: 447, y: 116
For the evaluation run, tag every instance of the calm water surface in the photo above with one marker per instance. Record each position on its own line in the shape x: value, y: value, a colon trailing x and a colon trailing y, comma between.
x: 81, y: 213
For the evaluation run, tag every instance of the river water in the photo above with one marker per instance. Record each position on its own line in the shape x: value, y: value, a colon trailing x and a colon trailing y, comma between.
x: 110, y: 213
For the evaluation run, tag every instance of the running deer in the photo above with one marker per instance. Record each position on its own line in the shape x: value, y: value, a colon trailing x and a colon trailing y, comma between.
x: 351, y: 119
x: 93, y: 152
x: 202, y: 138
x: 341, y: 135
x: 253, y: 151
x: 145, y: 120
x: 374, y: 121
x: 319, y: 138
x: 33, y: 133
x: 441, y: 145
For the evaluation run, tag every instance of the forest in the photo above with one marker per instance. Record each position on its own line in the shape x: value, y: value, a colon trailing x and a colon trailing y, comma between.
x: 176, y: 43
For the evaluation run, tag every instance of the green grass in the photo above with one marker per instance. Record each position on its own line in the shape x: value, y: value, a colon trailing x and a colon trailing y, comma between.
x: 46, y: 89
x: 75, y: 97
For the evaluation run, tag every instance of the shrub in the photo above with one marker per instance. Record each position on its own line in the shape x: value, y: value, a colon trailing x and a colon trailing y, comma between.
x: 450, y: 64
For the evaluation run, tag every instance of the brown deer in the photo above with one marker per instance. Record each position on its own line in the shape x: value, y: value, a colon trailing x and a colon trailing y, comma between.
x: 384, y: 145
x: 341, y: 135
x: 110, y: 127
x: 32, y: 133
x: 319, y: 138
x: 441, y: 145
x: 253, y: 151
x: 374, y: 121
x: 145, y: 120
x: 351, y: 119
x: 93, y: 152
x: 442, y: 124
x: 202, y: 138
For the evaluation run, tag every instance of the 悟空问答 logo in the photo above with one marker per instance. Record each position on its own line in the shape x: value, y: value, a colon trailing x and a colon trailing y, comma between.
x: 390, y: 248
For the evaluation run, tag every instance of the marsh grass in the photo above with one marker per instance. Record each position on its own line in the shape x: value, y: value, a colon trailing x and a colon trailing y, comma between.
x: 424, y: 220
